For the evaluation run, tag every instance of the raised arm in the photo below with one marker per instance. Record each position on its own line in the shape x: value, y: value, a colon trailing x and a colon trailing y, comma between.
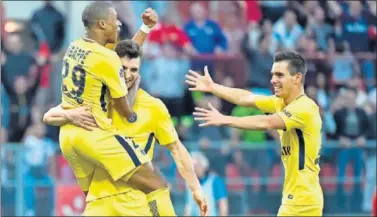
x: 204, y: 83
x: 150, y: 18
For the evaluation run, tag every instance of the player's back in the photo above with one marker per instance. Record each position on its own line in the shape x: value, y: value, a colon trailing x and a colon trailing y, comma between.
x: 86, y: 66
x: 301, y: 144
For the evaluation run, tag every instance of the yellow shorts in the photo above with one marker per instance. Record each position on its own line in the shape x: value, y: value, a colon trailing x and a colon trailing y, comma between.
x: 132, y: 203
x: 85, y: 150
x: 300, y: 210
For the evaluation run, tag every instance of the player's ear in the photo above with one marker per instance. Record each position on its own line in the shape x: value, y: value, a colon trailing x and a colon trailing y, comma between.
x: 298, y: 77
x: 102, y: 24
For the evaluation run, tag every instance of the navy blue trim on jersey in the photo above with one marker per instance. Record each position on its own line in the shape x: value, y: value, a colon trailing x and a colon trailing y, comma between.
x: 301, y: 149
x: 129, y: 150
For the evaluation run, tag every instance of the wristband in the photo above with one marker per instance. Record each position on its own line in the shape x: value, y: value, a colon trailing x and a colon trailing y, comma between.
x: 145, y: 28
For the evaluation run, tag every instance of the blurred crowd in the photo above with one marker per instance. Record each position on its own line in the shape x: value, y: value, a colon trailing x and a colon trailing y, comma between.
x: 237, y: 41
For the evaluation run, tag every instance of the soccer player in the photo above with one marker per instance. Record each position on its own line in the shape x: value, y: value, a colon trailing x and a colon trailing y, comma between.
x: 92, y: 75
x: 293, y: 114
x: 154, y: 124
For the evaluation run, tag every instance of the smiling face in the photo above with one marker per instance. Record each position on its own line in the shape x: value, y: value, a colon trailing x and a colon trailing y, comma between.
x: 283, y: 82
x: 131, y: 68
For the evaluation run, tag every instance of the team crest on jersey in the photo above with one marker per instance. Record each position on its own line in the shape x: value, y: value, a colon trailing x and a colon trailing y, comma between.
x: 132, y: 118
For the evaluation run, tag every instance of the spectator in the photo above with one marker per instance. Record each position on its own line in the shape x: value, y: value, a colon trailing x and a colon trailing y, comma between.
x: 304, y: 10
x: 256, y: 30
x: 169, y: 68
x: 287, y: 30
x: 253, y: 13
x: 213, y: 186
x: 259, y: 61
x: 322, y: 91
x: 354, y: 24
x: 351, y: 128
x: 39, y: 158
x: 273, y: 10
x: 52, y: 23
x: 345, y: 65
x: 20, y: 78
x: 361, y: 97
x: 206, y: 35
x: 167, y: 31
x: 233, y: 33
x: 321, y: 30
x: 316, y: 61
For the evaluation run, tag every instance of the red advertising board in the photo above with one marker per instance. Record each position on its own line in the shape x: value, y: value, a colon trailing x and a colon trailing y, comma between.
x: 69, y: 200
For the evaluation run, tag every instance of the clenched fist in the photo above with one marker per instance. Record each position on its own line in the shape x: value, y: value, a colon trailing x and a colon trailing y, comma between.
x: 150, y: 17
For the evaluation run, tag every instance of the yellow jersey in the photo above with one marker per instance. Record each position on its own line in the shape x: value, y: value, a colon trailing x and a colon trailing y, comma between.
x: 153, y: 124
x: 91, y: 75
x: 300, y: 147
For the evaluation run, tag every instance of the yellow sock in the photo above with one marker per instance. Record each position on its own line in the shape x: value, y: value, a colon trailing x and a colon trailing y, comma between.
x: 160, y: 203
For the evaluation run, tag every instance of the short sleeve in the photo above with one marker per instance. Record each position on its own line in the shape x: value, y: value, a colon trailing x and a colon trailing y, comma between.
x: 164, y: 128
x: 112, y: 75
x: 265, y: 103
x: 219, y: 189
x: 294, y: 116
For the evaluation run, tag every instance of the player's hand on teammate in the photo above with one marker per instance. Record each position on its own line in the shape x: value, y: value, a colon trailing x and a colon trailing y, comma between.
x: 199, y: 82
x: 201, y: 201
x: 82, y: 117
x: 150, y: 17
x: 210, y: 117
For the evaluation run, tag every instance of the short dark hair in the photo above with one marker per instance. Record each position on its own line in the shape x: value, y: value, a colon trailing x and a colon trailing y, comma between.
x: 128, y: 48
x: 296, y: 63
x: 95, y: 11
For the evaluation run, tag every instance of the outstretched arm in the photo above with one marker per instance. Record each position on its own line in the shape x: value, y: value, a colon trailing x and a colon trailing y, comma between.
x: 204, y: 83
x: 212, y: 117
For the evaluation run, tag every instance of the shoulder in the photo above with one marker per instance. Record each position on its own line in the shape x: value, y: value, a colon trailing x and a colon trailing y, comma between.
x: 106, y: 53
x: 305, y: 106
x: 154, y: 103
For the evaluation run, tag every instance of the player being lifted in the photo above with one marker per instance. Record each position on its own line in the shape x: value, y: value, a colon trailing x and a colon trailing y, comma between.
x: 294, y: 115
x: 154, y: 124
x: 92, y: 75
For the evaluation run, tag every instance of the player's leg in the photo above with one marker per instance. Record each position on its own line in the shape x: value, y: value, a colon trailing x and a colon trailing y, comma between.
x: 155, y: 187
x: 100, y: 207
x: 123, y: 159
x: 82, y: 169
x: 132, y: 203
